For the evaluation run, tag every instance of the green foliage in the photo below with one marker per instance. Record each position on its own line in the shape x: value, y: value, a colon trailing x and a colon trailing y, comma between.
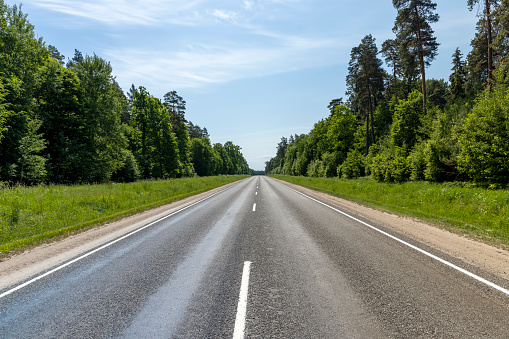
x: 353, y: 167
x: 416, y: 161
x: 365, y: 83
x: 457, y: 79
x: 414, y: 32
x: 390, y: 165
x: 407, y: 120
x: 101, y: 108
x: 484, y: 139
x: 31, y: 165
x: 129, y: 170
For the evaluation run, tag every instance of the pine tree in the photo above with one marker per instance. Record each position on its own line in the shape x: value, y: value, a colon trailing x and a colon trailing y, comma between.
x: 393, y: 60
x: 489, y: 5
x: 458, y: 77
x: 365, y: 82
x: 412, y: 27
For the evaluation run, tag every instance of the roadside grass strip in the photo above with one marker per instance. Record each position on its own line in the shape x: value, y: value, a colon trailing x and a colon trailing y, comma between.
x: 32, y: 215
x: 460, y: 207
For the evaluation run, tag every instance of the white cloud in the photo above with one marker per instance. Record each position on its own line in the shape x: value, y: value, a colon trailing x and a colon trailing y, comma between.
x: 248, y: 4
x: 146, y: 12
x: 199, y: 65
x: 229, y: 16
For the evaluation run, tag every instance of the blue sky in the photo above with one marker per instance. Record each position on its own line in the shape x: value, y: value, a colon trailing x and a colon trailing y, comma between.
x: 251, y: 71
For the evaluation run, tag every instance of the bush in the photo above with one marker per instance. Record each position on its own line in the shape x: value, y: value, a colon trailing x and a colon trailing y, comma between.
x: 390, y: 166
x: 129, y: 171
x: 484, y: 139
x: 417, y: 162
x: 315, y: 169
x: 354, y: 166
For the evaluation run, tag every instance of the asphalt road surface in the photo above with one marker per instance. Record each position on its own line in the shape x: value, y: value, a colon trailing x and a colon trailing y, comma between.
x: 258, y: 260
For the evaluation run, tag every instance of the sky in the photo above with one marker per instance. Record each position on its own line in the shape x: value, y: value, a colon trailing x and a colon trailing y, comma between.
x: 251, y: 71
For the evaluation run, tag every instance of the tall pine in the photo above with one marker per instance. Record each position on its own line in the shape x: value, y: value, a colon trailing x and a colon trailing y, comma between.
x: 413, y: 30
x: 365, y: 82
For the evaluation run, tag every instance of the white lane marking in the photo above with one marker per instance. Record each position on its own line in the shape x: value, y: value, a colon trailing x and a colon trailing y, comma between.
x: 256, y: 193
x: 254, y: 207
x: 240, y: 319
x: 443, y: 261
x: 58, y: 268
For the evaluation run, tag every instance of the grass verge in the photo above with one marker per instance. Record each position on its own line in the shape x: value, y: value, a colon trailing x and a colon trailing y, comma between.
x: 478, y: 212
x: 31, y: 215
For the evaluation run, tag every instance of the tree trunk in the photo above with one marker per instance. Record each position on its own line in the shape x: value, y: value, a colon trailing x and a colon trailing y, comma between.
x: 490, y: 40
x: 421, y: 62
x: 367, y: 134
x: 395, y: 86
x: 369, y: 114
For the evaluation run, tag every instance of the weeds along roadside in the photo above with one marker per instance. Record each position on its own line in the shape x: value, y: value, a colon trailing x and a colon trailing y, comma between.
x: 32, y: 215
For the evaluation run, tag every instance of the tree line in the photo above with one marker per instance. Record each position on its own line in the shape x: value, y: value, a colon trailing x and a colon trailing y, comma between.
x: 397, y: 125
x: 70, y: 122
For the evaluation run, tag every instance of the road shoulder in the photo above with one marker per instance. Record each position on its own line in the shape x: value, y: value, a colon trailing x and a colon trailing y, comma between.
x: 488, y: 258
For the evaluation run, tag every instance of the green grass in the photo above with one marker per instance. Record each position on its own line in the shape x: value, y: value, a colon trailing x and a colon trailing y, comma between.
x: 478, y: 212
x: 31, y: 215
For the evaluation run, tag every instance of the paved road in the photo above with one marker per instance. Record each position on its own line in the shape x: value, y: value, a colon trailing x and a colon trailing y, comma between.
x: 313, y: 273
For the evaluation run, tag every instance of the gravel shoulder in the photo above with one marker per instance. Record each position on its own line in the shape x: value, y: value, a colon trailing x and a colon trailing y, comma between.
x: 21, y: 266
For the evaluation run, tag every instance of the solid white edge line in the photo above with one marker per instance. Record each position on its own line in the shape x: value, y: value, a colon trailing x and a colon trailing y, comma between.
x: 240, y: 319
x: 443, y: 261
x: 58, y: 268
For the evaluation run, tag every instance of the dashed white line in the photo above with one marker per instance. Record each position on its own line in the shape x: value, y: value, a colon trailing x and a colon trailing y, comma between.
x: 240, y: 320
x: 254, y: 207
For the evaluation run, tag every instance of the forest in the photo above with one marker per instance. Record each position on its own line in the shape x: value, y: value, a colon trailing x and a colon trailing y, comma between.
x: 396, y: 125
x: 70, y: 122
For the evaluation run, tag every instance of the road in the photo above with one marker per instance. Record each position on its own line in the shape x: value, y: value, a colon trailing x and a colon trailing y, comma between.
x: 263, y: 261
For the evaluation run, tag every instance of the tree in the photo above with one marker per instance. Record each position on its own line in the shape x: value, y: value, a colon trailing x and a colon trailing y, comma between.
x: 334, y: 103
x: 457, y: 79
x: 196, y: 132
x: 477, y: 61
x: 413, y: 30
x: 365, y: 82
x: 153, y: 142
x: 484, y: 138
x: 202, y: 156
x: 64, y: 123
x: 21, y: 54
x: 30, y: 167
x: 176, y: 107
x: 438, y: 91
x: 407, y: 120
x: 393, y: 60
x: 488, y: 6
x: 55, y: 54
x: 501, y: 27
x: 101, y: 105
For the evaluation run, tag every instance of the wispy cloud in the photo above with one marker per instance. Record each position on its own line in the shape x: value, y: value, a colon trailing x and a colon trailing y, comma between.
x: 201, y: 65
x: 229, y: 16
x: 115, y: 12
